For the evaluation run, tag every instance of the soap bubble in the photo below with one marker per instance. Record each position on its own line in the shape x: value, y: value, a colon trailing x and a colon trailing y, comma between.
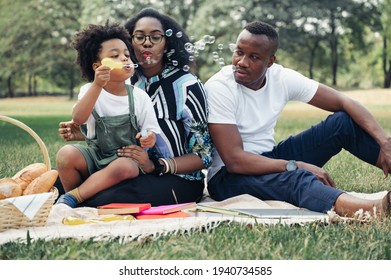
x: 215, y: 56
x: 191, y: 58
x: 212, y: 39
x: 208, y: 39
x: 175, y: 63
x: 189, y: 47
x: 169, y: 32
x: 232, y: 47
x: 220, y: 46
x: 199, y: 45
x: 179, y: 34
x: 186, y: 68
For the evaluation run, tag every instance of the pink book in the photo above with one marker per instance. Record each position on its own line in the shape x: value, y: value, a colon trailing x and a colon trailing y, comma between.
x: 165, y: 209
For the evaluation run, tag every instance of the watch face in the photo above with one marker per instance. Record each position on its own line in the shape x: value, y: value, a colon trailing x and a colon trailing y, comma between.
x: 291, y: 165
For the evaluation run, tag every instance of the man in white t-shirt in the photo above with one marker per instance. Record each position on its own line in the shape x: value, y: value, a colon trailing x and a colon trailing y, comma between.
x: 245, y: 101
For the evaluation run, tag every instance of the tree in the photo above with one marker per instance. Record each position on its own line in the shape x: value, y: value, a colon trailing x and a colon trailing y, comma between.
x: 386, y: 35
x: 36, y: 42
x: 322, y: 38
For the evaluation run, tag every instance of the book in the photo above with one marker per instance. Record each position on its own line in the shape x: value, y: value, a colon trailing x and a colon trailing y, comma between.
x: 275, y: 213
x: 177, y: 214
x: 218, y: 210
x: 166, y: 209
x: 123, y: 208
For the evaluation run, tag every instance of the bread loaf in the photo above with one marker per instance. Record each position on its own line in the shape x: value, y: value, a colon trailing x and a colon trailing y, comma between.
x: 25, y: 176
x: 9, y: 188
x: 42, y: 184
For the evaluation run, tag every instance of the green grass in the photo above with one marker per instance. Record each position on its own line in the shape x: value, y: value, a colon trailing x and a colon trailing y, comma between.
x: 356, y: 241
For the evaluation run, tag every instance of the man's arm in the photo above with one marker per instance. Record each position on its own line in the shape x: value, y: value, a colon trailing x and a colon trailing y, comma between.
x: 228, y: 142
x: 331, y: 100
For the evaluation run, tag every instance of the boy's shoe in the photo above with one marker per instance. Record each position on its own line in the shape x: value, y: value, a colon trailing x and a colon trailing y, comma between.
x: 68, y: 199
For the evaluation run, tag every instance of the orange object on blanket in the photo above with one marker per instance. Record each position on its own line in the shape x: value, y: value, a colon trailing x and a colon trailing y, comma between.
x: 178, y: 214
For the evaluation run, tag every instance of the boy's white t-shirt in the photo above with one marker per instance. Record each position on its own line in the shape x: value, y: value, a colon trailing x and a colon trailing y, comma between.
x: 254, y: 112
x: 108, y: 104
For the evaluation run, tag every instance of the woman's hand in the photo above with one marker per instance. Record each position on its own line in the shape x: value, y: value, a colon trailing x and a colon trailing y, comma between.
x: 138, y: 154
x: 70, y: 131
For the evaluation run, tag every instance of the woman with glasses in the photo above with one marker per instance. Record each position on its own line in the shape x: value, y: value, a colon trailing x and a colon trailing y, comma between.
x: 183, y: 148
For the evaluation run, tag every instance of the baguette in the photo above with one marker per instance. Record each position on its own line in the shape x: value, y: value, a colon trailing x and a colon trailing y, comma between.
x: 25, y: 176
x: 9, y: 188
x: 42, y: 184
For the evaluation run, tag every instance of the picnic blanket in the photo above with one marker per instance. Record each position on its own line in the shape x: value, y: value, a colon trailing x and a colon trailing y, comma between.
x: 129, y: 230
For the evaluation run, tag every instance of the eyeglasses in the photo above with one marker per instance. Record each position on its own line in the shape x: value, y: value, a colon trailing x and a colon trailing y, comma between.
x: 153, y: 38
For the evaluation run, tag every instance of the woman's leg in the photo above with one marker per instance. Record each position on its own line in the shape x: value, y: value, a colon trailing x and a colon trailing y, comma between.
x: 147, y: 188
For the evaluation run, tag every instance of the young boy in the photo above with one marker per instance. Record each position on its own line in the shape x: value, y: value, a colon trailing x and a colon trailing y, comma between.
x: 111, y: 114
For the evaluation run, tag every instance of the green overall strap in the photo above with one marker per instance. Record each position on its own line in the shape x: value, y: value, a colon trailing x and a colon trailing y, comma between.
x: 129, y: 89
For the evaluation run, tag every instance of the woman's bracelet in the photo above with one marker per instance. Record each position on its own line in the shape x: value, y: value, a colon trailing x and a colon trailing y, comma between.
x: 173, y: 165
x: 166, y: 165
x: 170, y: 165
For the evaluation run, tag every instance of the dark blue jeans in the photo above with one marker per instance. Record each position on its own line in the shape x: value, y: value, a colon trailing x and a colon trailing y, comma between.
x: 315, y: 145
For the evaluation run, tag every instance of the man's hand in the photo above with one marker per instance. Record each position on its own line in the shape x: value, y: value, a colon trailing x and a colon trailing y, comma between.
x: 70, y: 131
x: 320, y: 173
x: 384, y: 159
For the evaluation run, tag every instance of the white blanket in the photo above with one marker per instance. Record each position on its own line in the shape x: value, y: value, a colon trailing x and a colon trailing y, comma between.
x: 128, y: 230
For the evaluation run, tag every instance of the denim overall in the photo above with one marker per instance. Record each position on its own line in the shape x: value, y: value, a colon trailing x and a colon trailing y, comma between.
x: 111, y: 134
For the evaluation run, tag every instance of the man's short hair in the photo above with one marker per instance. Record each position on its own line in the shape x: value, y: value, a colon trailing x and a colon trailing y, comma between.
x: 263, y: 28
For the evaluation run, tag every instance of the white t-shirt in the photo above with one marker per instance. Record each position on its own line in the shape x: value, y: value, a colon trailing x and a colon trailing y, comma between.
x: 255, y: 112
x: 108, y: 104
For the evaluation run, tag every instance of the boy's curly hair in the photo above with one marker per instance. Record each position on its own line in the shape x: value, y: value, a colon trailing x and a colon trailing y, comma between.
x: 88, y: 44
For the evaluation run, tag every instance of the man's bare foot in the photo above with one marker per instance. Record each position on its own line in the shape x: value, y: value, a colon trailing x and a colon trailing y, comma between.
x: 386, y: 204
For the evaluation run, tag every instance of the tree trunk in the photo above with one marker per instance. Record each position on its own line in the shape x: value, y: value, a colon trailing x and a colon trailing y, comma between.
x: 71, y: 85
x: 35, y: 86
x: 312, y: 59
x: 334, y: 50
x: 30, y: 89
x: 387, y: 76
x: 386, y: 72
x: 10, y: 89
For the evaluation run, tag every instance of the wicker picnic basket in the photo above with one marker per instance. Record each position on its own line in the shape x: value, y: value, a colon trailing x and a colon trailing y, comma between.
x: 10, y: 216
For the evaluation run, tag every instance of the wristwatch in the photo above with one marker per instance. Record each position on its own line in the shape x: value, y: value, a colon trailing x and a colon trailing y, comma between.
x: 291, y: 165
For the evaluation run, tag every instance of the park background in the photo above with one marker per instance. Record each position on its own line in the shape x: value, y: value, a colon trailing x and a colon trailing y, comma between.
x: 344, y: 44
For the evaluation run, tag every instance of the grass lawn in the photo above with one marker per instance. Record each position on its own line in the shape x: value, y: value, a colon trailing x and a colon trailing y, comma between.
x: 313, y: 241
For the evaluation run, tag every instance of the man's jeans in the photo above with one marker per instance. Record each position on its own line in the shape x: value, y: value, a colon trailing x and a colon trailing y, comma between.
x: 315, y: 145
